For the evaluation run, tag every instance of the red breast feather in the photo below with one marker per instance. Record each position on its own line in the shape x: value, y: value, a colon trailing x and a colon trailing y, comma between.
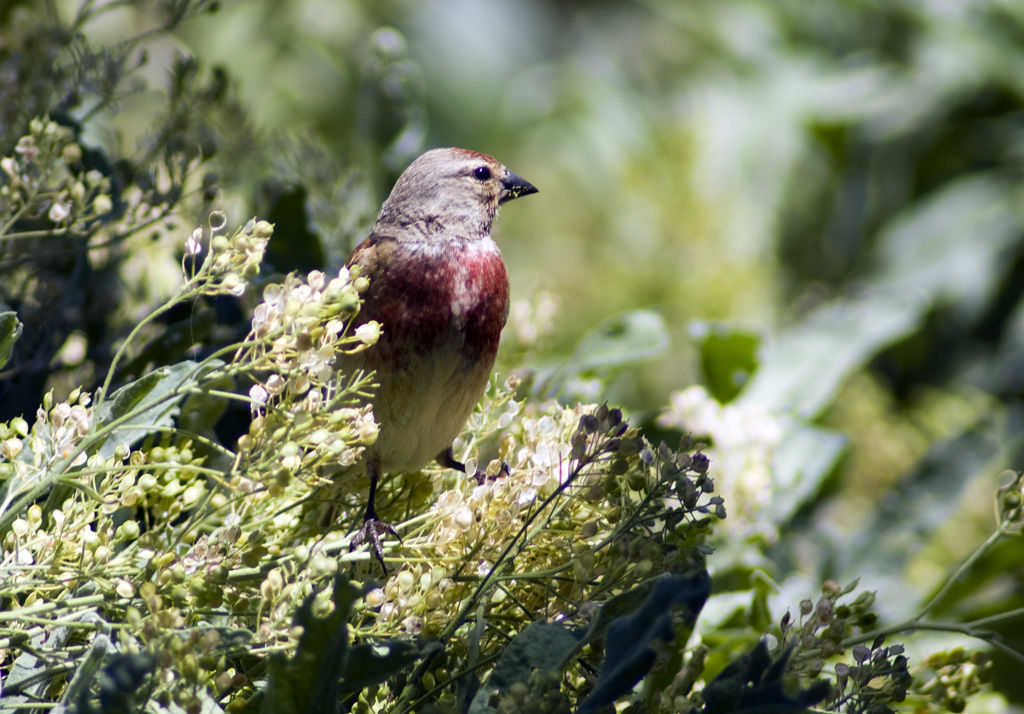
x: 442, y: 306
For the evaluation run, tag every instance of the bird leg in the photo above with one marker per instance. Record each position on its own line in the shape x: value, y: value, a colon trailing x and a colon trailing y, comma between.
x: 373, y: 529
x: 447, y: 459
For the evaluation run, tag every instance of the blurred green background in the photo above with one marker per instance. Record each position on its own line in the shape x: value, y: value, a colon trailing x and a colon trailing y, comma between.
x: 838, y: 180
x: 815, y: 206
x: 730, y: 161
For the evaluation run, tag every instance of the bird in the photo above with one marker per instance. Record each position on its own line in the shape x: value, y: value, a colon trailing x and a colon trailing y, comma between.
x: 439, y: 288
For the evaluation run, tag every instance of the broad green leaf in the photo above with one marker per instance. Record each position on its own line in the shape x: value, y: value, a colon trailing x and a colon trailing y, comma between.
x: 754, y: 683
x: 310, y: 681
x: 804, y: 459
x: 147, y: 404
x: 88, y: 666
x: 325, y: 668
x: 173, y: 343
x: 728, y: 358
x: 133, y: 412
x: 628, y: 646
x: 950, y: 247
x: 923, y: 503
x: 625, y: 339
x: 119, y: 686
x: 616, y: 343
x: 629, y: 623
x: 945, y: 250
x: 804, y: 367
x: 10, y: 331
x: 25, y: 680
x: 619, y: 606
x: 541, y: 646
x: 369, y: 664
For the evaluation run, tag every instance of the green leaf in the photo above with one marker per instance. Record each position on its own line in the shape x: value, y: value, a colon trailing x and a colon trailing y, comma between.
x: 120, y: 686
x: 923, y: 503
x: 946, y: 250
x: 86, y: 672
x: 310, y: 682
x: 950, y: 247
x: 628, y: 647
x: 616, y: 343
x: 325, y: 669
x: 121, y: 682
x: 176, y: 339
x: 728, y: 357
x: 631, y: 622
x: 369, y: 664
x: 754, y: 683
x: 806, y: 365
x: 542, y: 646
x: 616, y: 608
x: 625, y: 339
x: 26, y: 679
x: 10, y: 331
x: 802, y: 463
x: 133, y: 412
x: 147, y: 404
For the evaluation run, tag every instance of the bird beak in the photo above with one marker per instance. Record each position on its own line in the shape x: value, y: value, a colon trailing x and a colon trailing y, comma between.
x: 513, y: 186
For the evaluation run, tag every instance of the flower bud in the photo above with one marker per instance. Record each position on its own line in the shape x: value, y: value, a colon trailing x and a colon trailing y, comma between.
x: 72, y: 153
x: 102, y: 204
x: 368, y: 333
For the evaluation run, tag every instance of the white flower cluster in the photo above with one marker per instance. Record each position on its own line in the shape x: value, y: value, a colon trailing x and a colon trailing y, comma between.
x: 743, y: 442
x: 303, y: 407
x: 300, y: 327
x: 415, y: 597
x: 333, y: 440
x: 539, y: 466
x: 232, y: 261
x: 44, y: 177
x: 55, y: 435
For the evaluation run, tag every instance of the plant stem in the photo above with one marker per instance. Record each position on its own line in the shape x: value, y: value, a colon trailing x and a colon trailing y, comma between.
x: 960, y: 572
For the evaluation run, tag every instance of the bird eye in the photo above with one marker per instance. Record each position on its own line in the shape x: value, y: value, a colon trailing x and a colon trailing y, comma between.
x: 482, y: 173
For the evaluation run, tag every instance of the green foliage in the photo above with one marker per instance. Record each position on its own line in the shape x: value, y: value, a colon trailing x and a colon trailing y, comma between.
x: 542, y: 648
x: 325, y: 668
x: 619, y: 342
x: 754, y: 682
x: 831, y: 189
x: 10, y: 331
x: 727, y: 358
x: 629, y: 653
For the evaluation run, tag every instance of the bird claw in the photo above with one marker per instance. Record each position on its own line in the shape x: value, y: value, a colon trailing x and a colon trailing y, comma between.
x: 372, y: 530
x: 504, y: 472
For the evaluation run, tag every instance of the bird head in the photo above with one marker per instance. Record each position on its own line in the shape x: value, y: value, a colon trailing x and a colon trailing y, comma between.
x: 451, y: 191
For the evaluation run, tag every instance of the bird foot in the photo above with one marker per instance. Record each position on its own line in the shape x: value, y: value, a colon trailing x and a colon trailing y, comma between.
x: 504, y: 472
x: 372, y: 530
